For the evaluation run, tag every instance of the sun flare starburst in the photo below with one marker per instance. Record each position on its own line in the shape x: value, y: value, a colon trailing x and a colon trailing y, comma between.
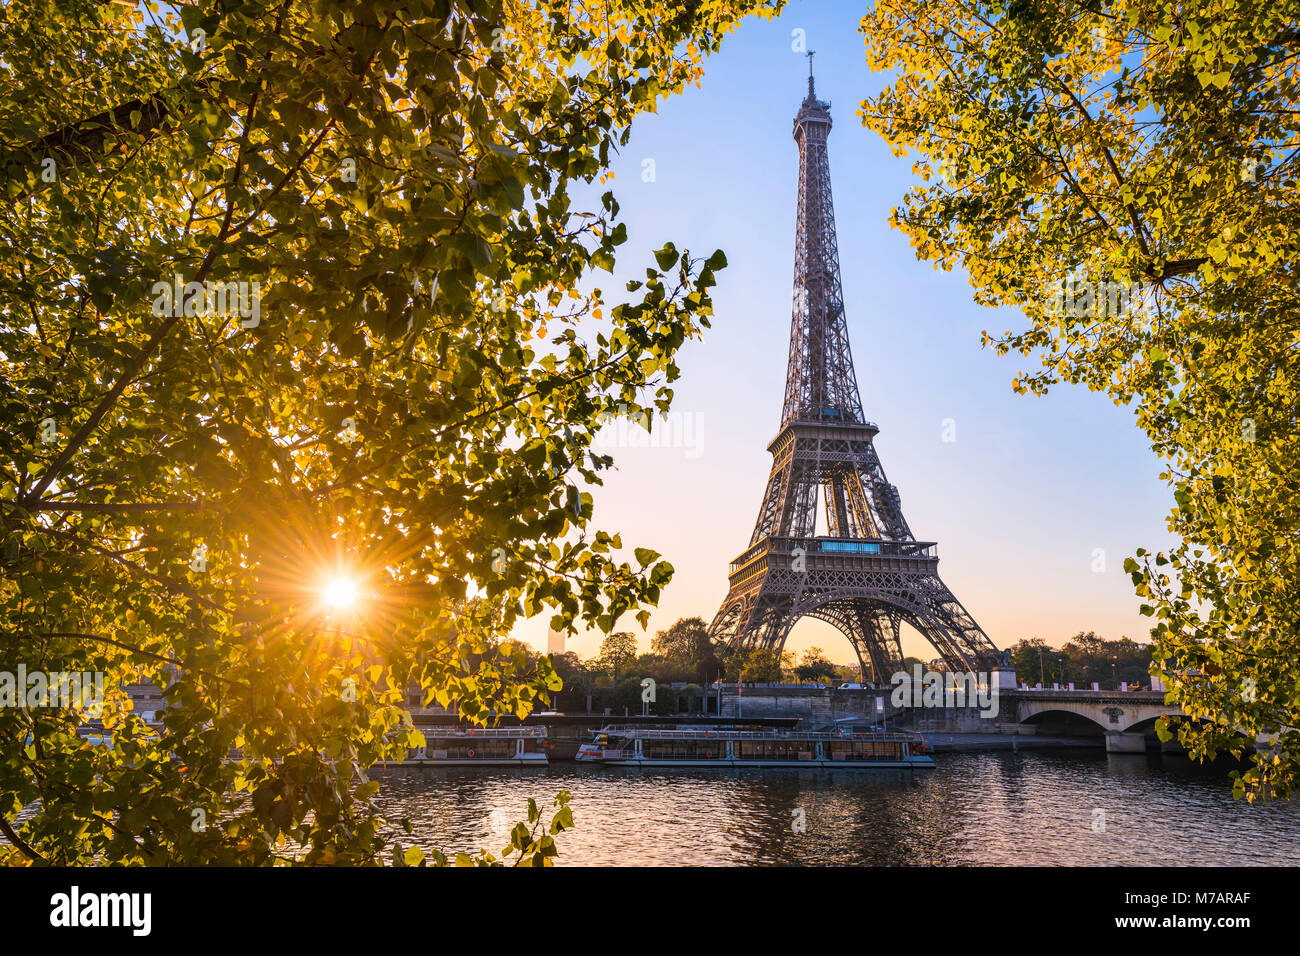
x: 339, y: 593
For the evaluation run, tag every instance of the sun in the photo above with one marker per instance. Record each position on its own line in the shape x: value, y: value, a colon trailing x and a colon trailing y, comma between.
x: 339, y: 593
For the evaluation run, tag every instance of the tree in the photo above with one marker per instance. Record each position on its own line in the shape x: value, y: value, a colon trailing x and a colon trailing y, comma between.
x: 568, y: 666
x: 625, y: 696
x: 814, y: 666
x: 1125, y: 175
x: 765, y: 664
x: 617, y: 654
x: 576, y: 678
x: 1086, y: 658
x: 685, y: 643
x: 1089, y: 658
x: 292, y: 293
x: 709, y: 669
x: 1035, y: 662
x: 667, y: 701
x: 667, y: 672
x: 1132, y: 661
x: 848, y: 672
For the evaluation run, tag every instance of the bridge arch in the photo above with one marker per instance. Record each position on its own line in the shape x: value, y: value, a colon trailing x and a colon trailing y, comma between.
x: 1146, y: 725
x: 1064, y: 721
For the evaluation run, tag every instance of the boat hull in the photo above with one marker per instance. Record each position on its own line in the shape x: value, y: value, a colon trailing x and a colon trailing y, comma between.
x: 914, y: 763
x: 527, y: 760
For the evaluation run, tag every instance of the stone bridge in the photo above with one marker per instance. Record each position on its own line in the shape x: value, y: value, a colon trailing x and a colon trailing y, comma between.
x: 1126, y: 718
x: 1124, y: 721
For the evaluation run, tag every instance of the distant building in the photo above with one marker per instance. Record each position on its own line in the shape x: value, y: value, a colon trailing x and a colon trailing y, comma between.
x: 555, y: 642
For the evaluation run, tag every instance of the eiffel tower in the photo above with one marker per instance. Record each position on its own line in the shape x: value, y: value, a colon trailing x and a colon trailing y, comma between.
x: 869, y: 574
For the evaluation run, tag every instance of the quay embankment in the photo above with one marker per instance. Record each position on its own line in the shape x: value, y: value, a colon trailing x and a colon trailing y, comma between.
x: 1118, y: 722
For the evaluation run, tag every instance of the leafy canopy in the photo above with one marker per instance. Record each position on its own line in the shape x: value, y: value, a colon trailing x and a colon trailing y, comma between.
x: 617, y: 654
x: 404, y: 401
x: 685, y: 643
x: 1068, y: 148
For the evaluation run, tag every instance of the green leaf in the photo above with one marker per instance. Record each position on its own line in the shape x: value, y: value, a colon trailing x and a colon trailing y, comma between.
x: 666, y: 257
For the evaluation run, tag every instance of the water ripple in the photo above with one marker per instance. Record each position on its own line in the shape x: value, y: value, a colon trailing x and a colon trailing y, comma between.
x: 975, y: 809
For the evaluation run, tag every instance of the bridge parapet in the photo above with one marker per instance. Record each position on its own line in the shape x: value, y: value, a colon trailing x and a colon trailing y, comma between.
x: 1109, y: 696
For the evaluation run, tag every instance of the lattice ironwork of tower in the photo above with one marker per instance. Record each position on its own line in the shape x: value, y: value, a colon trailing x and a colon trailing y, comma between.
x: 868, y: 575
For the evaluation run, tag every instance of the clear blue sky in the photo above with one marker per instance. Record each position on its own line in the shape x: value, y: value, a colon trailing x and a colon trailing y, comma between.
x: 1022, y: 498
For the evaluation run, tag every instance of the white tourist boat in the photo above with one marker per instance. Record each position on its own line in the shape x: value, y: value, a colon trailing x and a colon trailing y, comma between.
x: 682, y: 747
x: 480, y: 747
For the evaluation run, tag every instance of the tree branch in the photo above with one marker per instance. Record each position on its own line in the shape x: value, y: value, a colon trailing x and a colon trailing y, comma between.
x: 19, y: 842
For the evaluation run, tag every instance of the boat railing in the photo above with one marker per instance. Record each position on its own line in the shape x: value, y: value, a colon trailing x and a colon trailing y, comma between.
x: 490, y: 733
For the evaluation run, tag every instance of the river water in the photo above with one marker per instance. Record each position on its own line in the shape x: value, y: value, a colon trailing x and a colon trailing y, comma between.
x: 1037, y: 807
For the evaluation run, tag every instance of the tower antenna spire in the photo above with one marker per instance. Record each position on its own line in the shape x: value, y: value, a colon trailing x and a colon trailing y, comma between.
x: 811, y: 54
